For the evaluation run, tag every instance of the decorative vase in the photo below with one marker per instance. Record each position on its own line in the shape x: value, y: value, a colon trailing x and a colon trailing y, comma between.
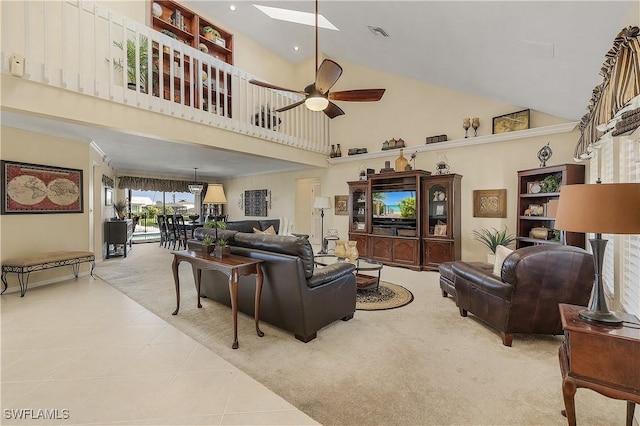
x: 332, y: 154
x: 208, y: 249
x: 341, y: 249
x: 352, y: 251
x: 156, y: 10
x: 401, y: 162
x: 223, y: 251
x: 338, y: 151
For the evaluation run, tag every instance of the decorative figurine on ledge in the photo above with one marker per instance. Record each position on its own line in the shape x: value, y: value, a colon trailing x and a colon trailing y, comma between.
x: 544, y: 155
x: 475, y: 123
x: 442, y: 168
x: 466, y: 123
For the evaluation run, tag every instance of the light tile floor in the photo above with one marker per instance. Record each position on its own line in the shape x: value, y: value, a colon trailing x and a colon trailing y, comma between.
x: 83, y: 353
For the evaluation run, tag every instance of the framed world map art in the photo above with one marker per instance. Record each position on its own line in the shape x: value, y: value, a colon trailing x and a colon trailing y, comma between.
x: 34, y: 188
x: 490, y: 203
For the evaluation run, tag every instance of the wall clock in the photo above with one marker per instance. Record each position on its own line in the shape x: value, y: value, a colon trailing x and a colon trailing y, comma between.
x: 510, y: 122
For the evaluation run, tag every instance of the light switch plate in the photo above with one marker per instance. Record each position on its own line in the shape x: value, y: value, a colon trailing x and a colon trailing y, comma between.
x: 17, y: 65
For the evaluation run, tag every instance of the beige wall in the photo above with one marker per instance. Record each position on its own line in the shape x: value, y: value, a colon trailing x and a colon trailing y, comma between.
x: 26, y: 234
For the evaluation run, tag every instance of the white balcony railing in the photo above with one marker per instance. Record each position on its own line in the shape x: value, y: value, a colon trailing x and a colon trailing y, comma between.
x: 74, y: 45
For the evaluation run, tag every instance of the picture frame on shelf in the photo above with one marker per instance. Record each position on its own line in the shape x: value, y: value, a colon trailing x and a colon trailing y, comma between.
x: 514, y: 121
x: 440, y: 210
x: 535, y: 210
x: 221, y: 42
x: 440, y: 229
x: 534, y: 187
x: 490, y: 203
x: 341, y: 205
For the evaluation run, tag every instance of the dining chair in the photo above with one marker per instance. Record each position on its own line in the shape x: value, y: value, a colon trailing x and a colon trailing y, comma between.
x: 181, y: 231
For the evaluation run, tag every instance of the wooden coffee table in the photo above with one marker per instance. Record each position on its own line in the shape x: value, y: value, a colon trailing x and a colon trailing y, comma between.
x: 363, y: 281
x: 232, y: 266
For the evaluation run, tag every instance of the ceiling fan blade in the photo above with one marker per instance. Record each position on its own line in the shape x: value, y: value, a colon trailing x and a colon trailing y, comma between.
x: 288, y: 107
x: 271, y: 86
x: 333, y: 110
x: 361, y: 95
x: 327, y: 75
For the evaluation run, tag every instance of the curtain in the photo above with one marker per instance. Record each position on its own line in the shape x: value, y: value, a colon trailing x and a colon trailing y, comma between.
x: 621, y: 74
x: 152, y: 184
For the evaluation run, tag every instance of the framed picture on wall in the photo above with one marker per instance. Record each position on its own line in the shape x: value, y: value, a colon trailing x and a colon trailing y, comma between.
x: 490, y: 203
x: 35, y: 188
x: 341, y: 205
x: 108, y: 197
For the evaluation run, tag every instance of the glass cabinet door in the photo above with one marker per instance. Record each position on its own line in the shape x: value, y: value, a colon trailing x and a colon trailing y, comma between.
x: 358, y: 199
x: 438, y: 210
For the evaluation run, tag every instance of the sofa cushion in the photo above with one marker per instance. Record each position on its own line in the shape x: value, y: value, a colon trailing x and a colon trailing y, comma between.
x: 244, y: 225
x: 330, y: 273
x: 283, y: 244
x: 268, y: 231
x: 501, y: 254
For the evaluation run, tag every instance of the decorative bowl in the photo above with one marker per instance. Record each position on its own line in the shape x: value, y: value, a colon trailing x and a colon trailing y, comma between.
x: 194, y: 217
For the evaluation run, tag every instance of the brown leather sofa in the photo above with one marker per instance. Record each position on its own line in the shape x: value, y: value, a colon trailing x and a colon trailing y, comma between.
x: 296, y: 296
x: 534, y: 280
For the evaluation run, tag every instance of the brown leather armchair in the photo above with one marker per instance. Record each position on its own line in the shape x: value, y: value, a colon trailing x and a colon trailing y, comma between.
x: 525, y: 298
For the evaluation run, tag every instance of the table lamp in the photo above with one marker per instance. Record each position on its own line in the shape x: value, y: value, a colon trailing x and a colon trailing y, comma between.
x: 322, y: 203
x: 601, y: 208
x: 215, y: 195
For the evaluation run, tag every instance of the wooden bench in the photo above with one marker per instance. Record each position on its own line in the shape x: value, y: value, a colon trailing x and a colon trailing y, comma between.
x: 24, y: 266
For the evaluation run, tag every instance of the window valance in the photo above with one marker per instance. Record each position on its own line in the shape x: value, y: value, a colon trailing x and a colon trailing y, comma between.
x: 620, y: 84
x: 153, y: 184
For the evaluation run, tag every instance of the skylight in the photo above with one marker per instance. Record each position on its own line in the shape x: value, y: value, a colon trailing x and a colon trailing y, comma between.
x: 297, y: 17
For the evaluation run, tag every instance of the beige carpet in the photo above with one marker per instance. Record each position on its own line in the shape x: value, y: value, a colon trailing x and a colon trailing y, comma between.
x: 421, y: 364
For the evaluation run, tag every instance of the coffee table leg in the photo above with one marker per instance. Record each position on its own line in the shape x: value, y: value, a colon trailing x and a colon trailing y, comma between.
x: 176, y: 280
x: 257, y: 302
x: 233, y: 291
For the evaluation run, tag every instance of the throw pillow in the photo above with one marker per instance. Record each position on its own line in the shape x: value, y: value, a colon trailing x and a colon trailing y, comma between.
x: 501, y: 254
x: 269, y: 231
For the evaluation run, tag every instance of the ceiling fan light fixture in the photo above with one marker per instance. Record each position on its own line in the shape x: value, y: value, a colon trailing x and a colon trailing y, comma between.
x: 316, y: 103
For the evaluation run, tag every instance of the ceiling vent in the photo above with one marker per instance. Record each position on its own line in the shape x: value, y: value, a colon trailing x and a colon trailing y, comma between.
x: 378, y: 31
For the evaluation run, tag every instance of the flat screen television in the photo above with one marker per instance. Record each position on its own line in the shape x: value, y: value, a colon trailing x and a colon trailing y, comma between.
x: 395, y: 206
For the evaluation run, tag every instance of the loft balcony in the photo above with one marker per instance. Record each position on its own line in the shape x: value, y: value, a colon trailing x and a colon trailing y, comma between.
x: 80, y: 47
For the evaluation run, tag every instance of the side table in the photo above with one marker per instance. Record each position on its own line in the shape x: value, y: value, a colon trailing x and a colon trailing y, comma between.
x: 234, y: 267
x: 599, y: 357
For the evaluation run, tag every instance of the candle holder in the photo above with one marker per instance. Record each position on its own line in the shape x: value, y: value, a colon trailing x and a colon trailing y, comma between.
x: 466, y: 123
x: 475, y: 123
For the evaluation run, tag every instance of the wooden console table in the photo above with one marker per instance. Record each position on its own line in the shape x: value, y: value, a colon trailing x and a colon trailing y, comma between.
x: 601, y: 358
x: 234, y: 267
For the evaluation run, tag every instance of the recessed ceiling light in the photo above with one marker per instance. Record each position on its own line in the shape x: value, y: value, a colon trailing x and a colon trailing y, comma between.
x: 297, y: 17
x: 232, y: 7
x: 296, y: 48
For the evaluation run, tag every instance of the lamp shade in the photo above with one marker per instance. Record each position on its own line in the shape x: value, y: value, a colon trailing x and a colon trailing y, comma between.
x: 601, y: 208
x: 322, y: 203
x: 215, y: 194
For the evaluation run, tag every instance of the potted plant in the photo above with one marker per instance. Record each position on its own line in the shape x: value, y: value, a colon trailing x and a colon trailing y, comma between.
x: 208, y: 245
x: 492, y: 239
x: 551, y: 183
x: 222, y: 249
x: 215, y: 224
x: 120, y: 208
x: 143, y: 69
x: 265, y: 118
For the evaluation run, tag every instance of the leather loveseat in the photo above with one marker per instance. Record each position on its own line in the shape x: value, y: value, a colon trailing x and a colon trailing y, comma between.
x: 525, y: 298
x: 296, y: 296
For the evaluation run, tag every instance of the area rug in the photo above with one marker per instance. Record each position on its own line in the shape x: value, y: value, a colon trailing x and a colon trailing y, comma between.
x: 388, y: 296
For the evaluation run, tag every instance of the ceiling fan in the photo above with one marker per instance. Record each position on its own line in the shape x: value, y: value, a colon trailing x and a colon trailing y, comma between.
x: 317, y: 95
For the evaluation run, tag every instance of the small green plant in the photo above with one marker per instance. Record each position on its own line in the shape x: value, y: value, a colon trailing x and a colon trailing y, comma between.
x: 120, y: 207
x: 494, y: 238
x: 215, y: 224
x: 207, y: 240
x: 222, y: 243
x: 551, y: 183
x: 143, y: 68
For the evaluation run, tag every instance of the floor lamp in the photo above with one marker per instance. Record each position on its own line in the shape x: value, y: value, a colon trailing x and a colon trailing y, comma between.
x: 322, y: 203
x: 611, y: 208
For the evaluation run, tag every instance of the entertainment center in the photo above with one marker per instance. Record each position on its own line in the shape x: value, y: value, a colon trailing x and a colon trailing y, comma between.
x: 409, y: 219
